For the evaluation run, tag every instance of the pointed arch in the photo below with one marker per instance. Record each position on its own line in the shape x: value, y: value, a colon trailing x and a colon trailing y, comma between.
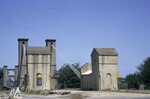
x: 39, y: 79
x: 108, y: 81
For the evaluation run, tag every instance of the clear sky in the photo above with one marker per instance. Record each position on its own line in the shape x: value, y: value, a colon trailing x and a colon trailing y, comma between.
x: 78, y: 26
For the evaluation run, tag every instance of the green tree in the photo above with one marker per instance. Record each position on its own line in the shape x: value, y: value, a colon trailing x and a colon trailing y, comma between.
x: 144, y: 71
x: 66, y: 77
x: 1, y: 78
x: 1, y: 73
x: 133, y: 81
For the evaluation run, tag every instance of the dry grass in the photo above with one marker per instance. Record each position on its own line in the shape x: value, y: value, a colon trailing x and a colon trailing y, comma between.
x: 77, y: 96
x: 41, y: 92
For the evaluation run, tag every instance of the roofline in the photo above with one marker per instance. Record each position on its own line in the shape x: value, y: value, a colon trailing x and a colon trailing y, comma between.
x: 95, y: 49
x: 23, y: 39
x: 50, y: 40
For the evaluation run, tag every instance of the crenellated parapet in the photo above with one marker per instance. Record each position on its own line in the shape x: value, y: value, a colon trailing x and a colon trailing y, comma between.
x: 86, y: 69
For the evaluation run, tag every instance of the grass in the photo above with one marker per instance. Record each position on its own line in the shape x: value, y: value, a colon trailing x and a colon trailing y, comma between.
x: 76, y: 96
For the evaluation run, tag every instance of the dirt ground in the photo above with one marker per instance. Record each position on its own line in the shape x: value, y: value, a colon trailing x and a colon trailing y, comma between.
x: 77, y: 94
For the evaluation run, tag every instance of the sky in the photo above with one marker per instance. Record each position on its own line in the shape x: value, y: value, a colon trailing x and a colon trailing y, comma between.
x: 78, y: 26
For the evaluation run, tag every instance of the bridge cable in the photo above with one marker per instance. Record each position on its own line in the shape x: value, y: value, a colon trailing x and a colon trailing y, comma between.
x: 71, y: 66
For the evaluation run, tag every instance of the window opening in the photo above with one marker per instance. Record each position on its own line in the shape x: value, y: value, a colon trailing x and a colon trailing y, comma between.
x: 39, y: 79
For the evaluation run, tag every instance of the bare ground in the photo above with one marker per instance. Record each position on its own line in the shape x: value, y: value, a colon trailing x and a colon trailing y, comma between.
x: 77, y: 94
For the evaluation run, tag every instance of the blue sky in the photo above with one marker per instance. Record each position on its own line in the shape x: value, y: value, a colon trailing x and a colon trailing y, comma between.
x: 78, y: 26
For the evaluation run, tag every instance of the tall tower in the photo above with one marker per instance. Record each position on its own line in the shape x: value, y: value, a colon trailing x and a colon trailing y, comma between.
x: 105, y: 68
x: 22, y: 45
x: 5, y: 75
x: 21, y: 41
x: 52, y: 44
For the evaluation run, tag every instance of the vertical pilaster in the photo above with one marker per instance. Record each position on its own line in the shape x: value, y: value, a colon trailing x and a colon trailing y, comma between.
x: 5, y: 75
x: 16, y: 75
x: 52, y: 44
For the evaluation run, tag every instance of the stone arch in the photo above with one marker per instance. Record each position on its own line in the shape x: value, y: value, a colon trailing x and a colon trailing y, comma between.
x: 108, y: 81
x: 39, y: 79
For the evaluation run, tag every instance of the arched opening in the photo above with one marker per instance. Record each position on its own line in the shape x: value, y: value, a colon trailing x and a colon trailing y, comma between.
x: 11, y: 72
x: 39, y: 79
x: 108, y: 81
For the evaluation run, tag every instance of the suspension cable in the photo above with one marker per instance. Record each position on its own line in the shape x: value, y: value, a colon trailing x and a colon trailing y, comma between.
x: 65, y: 60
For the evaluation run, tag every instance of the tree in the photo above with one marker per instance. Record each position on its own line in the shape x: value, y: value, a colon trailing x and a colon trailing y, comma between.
x: 67, y: 78
x: 1, y: 78
x: 1, y: 73
x: 144, y: 71
x: 133, y: 81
